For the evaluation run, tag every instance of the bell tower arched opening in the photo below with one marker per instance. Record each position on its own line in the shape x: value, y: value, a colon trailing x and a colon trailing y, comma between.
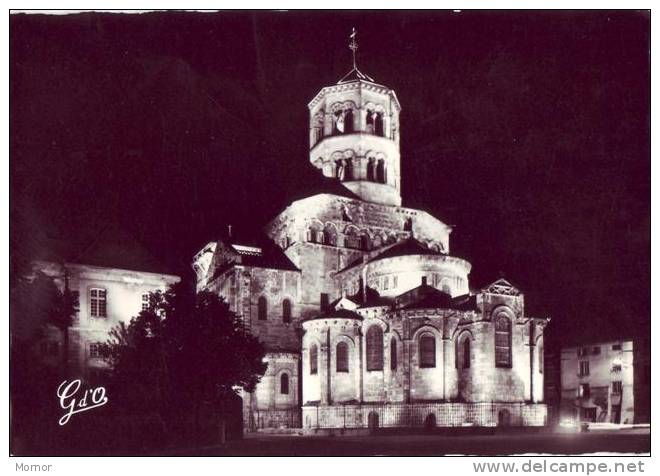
x: 358, y: 114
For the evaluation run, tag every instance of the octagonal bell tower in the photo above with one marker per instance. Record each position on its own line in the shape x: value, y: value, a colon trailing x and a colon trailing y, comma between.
x: 354, y: 136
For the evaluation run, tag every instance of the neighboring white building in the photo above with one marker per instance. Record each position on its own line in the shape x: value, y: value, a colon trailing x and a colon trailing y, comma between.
x: 597, y: 382
x: 107, y: 296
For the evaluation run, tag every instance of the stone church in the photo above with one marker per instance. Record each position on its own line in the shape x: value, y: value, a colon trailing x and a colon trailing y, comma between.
x: 367, y: 318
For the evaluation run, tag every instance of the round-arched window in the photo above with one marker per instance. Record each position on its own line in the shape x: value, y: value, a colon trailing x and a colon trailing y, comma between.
x: 375, y: 348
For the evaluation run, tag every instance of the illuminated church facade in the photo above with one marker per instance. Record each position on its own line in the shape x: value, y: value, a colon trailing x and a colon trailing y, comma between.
x: 367, y: 318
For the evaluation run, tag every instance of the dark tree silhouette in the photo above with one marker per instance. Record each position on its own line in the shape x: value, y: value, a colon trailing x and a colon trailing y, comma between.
x: 183, y: 357
x: 64, y: 308
x: 36, y: 301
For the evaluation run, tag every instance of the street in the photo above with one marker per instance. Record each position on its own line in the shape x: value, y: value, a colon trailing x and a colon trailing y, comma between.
x: 630, y: 441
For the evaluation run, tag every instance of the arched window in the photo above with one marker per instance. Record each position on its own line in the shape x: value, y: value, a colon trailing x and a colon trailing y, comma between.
x: 319, y: 126
x: 348, y: 175
x: 375, y: 123
x: 381, y: 172
x: 371, y: 169
x: 393, y: 354
x: 262, y: 308
x: 375, y: 348
x: 342, y: 357
x: 463, y: 353
x: 503, y: 417
x: 348, y: 121
x: 338, y: 120
x: 313, y: 360
x: 340, y: 169
x: 286, y: 310
x: 372, y: 420
x: 371, y: 117
x: 330, y: 235
x: 352, y: 239
x: 502, y: 341
x: 284, y: 384
x: 365, y: 242
x: 315, y: 234
x: 427, y: 351
x: 378, y: 124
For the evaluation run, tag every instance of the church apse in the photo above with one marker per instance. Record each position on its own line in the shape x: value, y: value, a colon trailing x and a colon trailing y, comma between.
x: 385, y: 327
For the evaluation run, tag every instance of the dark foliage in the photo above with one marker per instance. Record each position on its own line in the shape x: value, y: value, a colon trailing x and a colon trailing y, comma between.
x: 36, y: 303
x: 183, y: 360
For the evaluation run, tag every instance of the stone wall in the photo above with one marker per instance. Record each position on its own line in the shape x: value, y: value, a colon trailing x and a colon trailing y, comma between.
x: 268, y: 406
x: 384, y: 224
x: 419, y: 415
x: 242, y: 287
x: 482, y: 381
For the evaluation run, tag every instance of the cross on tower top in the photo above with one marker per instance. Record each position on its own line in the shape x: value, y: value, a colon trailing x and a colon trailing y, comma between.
x: 355, y: 73
x: 353, y: 46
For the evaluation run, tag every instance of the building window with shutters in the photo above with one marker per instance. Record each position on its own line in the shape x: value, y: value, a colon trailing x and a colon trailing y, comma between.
x: 286, y: 310
x: 502, y: 341
x: 393, y: 355
x: 342, y: 357
x: 262, y: 308
x: 617, y: 387
x: 427, y: 351
x: 98, y: 303
x: 313, y: 360
x: 98, y: 350
x: 284, y: 384
x: 375, y: 348
x: 584, y: 368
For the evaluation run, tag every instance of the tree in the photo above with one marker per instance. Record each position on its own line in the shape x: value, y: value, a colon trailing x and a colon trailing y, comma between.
x: 185, y: 354
x: 64, y: 308
x: 36, y: 301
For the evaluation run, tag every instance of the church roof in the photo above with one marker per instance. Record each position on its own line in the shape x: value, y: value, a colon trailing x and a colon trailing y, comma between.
x: 428, y: 297
x: 355, y: 75
x: 467, y: 302
x: 271, y: 257
x: 373, y: 298
x: 254, y: 251
x: 336, y: 313
x: 319, y: 185
x: 502, y: 286
x: 406, y: 247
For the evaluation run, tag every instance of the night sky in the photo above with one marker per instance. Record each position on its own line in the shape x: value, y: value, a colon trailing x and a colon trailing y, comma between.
x: 527, y: 131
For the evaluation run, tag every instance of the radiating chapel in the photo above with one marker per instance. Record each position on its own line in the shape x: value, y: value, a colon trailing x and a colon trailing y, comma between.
x: 367, y: 318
